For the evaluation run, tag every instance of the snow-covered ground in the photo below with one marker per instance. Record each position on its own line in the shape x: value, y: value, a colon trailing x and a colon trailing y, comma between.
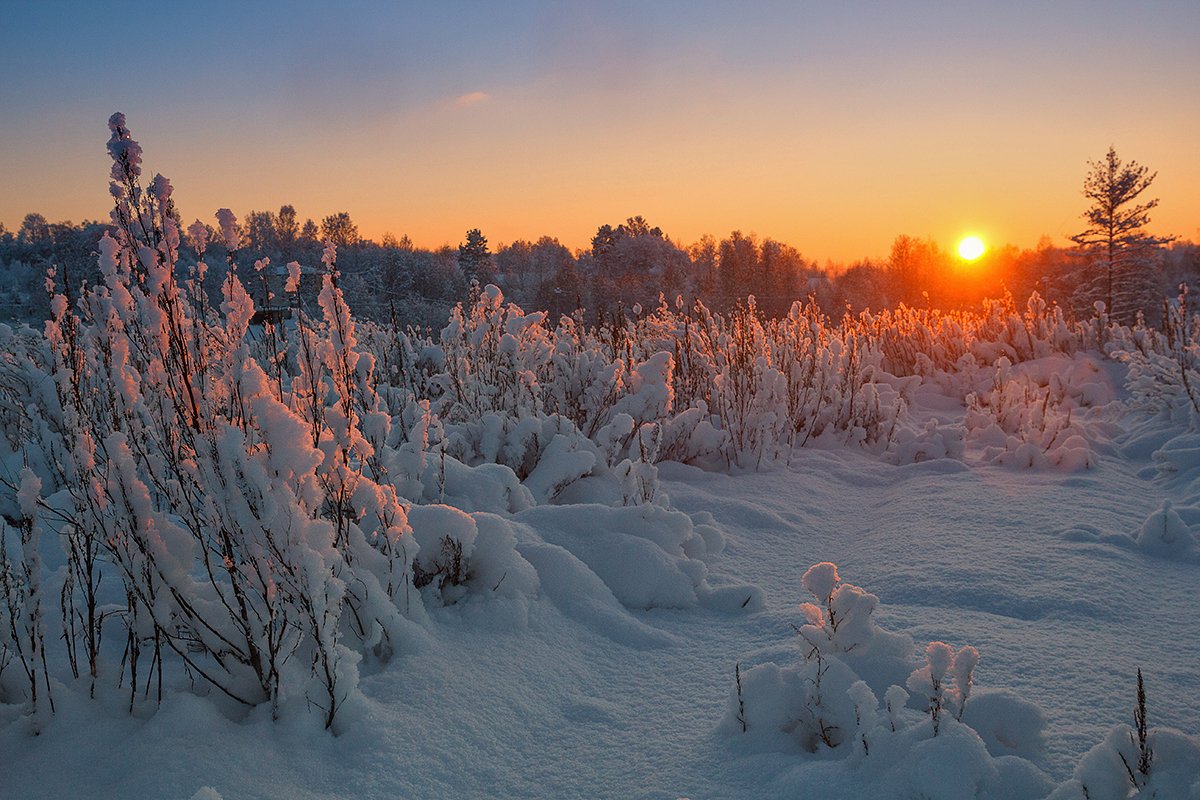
x: 555, y: 698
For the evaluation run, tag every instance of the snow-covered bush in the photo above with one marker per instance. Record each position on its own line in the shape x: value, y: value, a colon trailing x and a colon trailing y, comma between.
x: 910, y: 445
x: 766, y: 386
x: 1164, y: 367
x: 461, y: 554
x: 22, y: 609
x: 1028, y: 417
x: 828, y: 703
x: 737, y: 390
x: 1137, y: 762
x: 944, y: 680
x: 740, y: 390
x: 1164, y: 533
x: 917, y: 341
x: 232, y: 486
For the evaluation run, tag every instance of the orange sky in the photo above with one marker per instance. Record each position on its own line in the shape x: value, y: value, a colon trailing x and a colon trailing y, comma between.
x: 831, y: 129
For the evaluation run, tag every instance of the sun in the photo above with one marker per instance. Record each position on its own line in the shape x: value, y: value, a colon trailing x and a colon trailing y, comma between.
x: 971, y: 248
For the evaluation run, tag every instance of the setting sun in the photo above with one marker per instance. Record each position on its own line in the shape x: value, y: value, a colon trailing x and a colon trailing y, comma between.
x: 971, y: 248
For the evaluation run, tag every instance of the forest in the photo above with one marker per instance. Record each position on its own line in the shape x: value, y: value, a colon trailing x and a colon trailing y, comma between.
x: 626, y: 264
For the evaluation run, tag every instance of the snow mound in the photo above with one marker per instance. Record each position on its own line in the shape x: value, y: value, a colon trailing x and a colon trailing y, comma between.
x: 580, y: 595
x: 1111, y: 770
x: 1008, y: 724
x: 647, y: 556
x: 1179, y: 456
x: 1165, y: 534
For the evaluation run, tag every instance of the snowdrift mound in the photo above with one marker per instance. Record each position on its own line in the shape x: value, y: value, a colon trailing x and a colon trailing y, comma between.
x: 648, y: 556
x: 1165, y: 534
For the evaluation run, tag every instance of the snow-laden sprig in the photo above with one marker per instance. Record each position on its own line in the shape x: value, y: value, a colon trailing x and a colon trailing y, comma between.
x: 293, y: 279
x: 963, y: 671
x: 820, y: 580
x: 841, y: 620
x: 929, y: 680
x: 198, y: 235
x: 229, y: 229
x: 126, y: 153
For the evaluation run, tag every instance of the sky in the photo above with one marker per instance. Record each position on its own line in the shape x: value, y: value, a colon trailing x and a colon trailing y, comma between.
x: 834, y: 127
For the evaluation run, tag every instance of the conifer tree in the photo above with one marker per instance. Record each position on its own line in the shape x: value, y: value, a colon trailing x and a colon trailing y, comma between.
x: 474, y: 257
x: 1115, y: 239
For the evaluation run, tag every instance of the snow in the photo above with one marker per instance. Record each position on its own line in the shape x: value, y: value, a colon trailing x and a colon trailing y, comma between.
x: 587, y: 695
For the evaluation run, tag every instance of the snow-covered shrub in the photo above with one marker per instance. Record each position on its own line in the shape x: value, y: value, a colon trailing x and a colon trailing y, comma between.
x: 1164, y: 533
x: 723, y: 390
x: 637, y: 475
x: 1164, y: 367
x: 828, y: 703
x: 1136, y: 762
x: 22, y: 608
x: 933, y: 680
x: 917, y: 341
x: 241, y: 503
x: 780, y: 383
x: 462, y: 554
x: 739, y: 389
x: 909, y: 445
x: 841, y: 624
x: 1029, y: 416
x: 494, y: 356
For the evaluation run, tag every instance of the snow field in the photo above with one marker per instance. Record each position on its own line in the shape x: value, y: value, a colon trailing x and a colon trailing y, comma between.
x: 543, y: 700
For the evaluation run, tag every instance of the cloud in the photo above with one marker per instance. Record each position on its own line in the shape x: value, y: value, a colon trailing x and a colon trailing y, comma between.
x: 471, y: 98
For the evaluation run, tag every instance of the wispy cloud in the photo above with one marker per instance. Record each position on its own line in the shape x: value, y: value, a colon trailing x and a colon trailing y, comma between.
x: 471, y: 98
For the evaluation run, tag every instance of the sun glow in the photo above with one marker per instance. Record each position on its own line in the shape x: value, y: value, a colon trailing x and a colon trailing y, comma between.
x: 971, y: 248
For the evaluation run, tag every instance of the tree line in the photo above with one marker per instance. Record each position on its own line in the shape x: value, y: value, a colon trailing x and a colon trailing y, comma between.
x: 627, y: 265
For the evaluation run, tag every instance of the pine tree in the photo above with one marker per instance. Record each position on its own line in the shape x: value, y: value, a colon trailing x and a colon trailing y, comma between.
x: 474, y: 257
x: 1114, y: 237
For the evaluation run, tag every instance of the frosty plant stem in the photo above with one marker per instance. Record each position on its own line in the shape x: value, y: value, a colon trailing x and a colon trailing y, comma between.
x: 737, y: 676
x: 1145, y: 756
x: 21, y: 589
